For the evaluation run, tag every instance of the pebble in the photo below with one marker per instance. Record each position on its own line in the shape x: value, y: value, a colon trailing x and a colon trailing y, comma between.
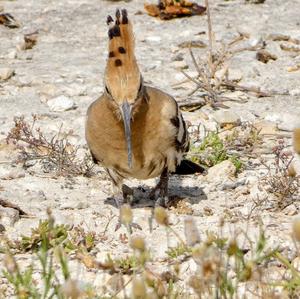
x: 9, y: 216
x: 6, y: 73
x: 290, y: 210
x: 48, y: 89
x: 234, y: 75
x: 295, y: 92
x: 75, y: 205
x: 12, y: 54
x: 288, y: 122
x: 246, y: 116
x: 232, y: 185
x: 225, y: 117
x: 265, y: 56
x: 221, y: 171
x: 154, y: 39
x: 61, y: 103
x: 296, y: 263
x: 76, y: 90
x: 14, y: 174
x: 266, y: 128
x: 178, y: 57
x: 2, y: 228
x: 64, y: 219
x: 180, y: 65
x: 253, y: 42
x: 251, y: 180
x: 21, y: 46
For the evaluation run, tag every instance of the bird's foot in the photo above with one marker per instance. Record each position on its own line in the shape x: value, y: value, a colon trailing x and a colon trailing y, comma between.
x: 160, y: 192
x: 125, y: 197
x: 130, y: 226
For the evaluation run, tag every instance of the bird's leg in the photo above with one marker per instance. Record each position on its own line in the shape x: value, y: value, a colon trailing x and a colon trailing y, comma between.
x: 160, y: 191
x: 121, y: 193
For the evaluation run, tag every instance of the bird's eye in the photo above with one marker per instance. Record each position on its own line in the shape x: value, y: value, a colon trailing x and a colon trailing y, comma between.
x: 106, y: 89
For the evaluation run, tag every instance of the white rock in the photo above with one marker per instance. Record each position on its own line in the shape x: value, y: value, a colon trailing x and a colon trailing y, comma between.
x: 82, y: 205
x: 49, y: 90
x: 180, y: 65
x: 223, y: 117
x: 12, y: 54
x: 14, y: 174
x: 290, y: 210
x: 247, y: 116
x: 275, y: 117
x: 74, y: 205
x: 295, y: 92
x: 155, y: 39
x: 286, y: 126
x: 21, y: 46
x: 253, y: 42
x: 6, y: 73
x: 296, y: 263
x: 288, y: 122
x: 76, y: 90
x: 9, y: 216
x: 233, y: 74
x: 61, y: 103
x: 251, y: 180
x: 221, y: 171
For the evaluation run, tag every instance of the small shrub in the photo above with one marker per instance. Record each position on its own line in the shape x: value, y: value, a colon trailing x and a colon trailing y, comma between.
x: 56, y: 154
x: 213, y: 151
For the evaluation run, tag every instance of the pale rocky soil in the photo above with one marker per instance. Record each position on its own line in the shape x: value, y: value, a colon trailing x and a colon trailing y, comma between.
x: 69, y: 59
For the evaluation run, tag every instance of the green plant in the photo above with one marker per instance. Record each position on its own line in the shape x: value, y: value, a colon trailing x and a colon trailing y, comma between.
x: 71, y: 239
x: 179, y: 250
x: 26, y: 286
x: 226, y: 266
x: 213, y: 151
x: 52, y: 234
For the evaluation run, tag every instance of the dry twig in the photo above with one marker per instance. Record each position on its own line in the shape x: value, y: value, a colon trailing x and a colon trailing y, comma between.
x: 279, y: 181
x: 217, y: 61
x: 55, y: 154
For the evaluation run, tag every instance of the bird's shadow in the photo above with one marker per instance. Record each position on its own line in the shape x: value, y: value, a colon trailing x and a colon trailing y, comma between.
x: 177, y: 191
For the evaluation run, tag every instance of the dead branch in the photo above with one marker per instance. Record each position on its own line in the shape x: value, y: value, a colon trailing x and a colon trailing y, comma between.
x: 210, y: 37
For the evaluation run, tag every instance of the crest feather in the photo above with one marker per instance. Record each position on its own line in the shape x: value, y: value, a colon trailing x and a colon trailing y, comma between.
x: 122, y: 75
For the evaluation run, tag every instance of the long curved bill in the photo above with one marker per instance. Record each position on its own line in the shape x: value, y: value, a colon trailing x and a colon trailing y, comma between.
x: 126, y: 115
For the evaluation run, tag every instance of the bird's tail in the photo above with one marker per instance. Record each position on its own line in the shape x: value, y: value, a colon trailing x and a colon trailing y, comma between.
x: 189, y: 167
x: 122, y: 75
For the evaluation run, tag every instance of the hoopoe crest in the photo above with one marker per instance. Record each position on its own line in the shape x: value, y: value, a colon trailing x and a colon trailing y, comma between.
x: 122, y: 76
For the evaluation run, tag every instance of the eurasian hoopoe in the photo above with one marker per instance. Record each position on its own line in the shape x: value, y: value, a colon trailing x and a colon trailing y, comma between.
x: 134, y: 130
